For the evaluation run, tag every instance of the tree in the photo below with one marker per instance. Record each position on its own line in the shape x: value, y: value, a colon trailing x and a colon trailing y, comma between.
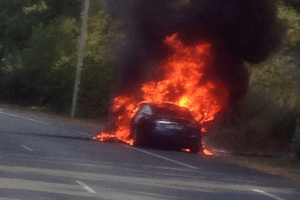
x: 97, y: 74
x: 16, y: 22
x: 66, y: 8
x: 292, y: 3
x: 48, y: 63
x: 278, y: 76
x: 45, y: 70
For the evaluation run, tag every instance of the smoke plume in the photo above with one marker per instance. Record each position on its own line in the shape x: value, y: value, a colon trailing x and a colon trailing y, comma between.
x: 239, y: 30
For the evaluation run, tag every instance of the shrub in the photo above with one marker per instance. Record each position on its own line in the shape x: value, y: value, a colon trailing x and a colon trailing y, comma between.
x: 254, y: 124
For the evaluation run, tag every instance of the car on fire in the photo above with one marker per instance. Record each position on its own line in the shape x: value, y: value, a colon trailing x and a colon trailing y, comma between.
x: 165, y: 125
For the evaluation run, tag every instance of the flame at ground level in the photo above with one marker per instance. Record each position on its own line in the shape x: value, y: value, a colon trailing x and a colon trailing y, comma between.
x: 184, y: 83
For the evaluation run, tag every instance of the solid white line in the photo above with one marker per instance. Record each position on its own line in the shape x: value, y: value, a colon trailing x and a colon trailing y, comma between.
x: 40, y: 122
x: 83, y: 133
x: 162, y: 157
x: 25, y: 118
x: 27, y: 148
x: 34, y: 120
x: 267, y: 194
x: 86, y: 187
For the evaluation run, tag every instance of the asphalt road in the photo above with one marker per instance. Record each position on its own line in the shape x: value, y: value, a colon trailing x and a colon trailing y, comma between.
x: 43, y: 158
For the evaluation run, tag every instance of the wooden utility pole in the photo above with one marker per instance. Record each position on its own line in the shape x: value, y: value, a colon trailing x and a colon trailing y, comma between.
x: 80, y: 56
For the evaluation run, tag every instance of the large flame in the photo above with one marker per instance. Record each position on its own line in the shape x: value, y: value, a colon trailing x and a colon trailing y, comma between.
x: 182, y: 84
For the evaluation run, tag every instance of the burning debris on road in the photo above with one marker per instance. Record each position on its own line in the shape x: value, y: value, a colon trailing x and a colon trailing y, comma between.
x: 188, y: 52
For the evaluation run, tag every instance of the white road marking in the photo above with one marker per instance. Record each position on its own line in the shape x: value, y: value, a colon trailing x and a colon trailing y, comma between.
x: 27, y: 148
x: 97, y: 164
x: 151, y: 181
x: 90, y: 190
x: 39, y: 121
x: 25, y: 118
x: 83, y: 133
x: 267, y: 194
x: 162, y: 157
x: 36, y: 186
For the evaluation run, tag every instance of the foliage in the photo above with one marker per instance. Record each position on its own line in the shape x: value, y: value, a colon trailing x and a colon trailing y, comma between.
x: 278, y: 75
x: 40, y: 68
x: 97, y: 73
x: 254, y: 124
x: 278, y: 78
x: 95, y: 88
x: 292, y: 3
x: 46, y: 64
x: 66, y: 8
x: 292, y: 20
x: 17, y: 20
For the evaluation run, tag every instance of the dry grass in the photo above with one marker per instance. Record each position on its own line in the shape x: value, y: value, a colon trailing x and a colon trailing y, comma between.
x: 284, y: 166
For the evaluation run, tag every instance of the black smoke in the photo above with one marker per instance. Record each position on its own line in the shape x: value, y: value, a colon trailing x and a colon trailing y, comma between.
x: 240, y: 31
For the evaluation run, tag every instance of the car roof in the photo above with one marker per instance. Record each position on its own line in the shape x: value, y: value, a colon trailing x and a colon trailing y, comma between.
x: 162, y: 104
x: 165, y: 105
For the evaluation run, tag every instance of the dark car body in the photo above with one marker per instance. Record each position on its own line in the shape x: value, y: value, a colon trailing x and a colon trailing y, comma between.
x: 166, y: 125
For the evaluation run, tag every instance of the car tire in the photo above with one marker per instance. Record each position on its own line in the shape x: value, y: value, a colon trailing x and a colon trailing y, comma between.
x: 196, y: 148
x: 137, y: 138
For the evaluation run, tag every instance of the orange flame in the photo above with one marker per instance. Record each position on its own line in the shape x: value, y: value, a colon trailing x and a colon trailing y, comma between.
x: 207, y: 152
x: 186, y: 150
x: 182, y: 85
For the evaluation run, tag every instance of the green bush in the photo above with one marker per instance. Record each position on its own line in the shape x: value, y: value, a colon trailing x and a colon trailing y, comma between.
x: 95, y: 88
x: 254, y: 124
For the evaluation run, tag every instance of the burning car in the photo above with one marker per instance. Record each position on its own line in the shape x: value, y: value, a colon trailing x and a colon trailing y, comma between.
x: 189, y: 54
x: 166, y: 125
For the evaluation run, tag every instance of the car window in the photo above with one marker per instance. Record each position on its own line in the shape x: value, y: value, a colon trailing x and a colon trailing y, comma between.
x: 172, y: 111
x: 146, y: 110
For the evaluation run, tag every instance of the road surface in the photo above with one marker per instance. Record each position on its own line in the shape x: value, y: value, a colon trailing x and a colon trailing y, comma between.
x: 43, y: 158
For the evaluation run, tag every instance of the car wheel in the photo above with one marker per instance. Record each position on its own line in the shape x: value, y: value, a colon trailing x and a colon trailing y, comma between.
x: 137, y: 140
x: 195, y: 148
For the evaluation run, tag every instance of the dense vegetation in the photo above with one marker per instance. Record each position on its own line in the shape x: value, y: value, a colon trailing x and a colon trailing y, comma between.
x: 38, y: 56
